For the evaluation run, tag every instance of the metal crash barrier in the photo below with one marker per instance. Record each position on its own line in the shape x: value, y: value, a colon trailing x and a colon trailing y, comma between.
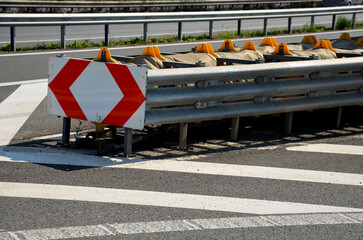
x: 200, y: 94
x: 14, y: 21
x: 134, y: 97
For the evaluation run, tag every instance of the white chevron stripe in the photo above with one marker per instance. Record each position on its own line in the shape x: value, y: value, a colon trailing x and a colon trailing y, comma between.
x: 17, y: 108
x: 329, y: 148
x: 289, y: 174
x: 163, y: 199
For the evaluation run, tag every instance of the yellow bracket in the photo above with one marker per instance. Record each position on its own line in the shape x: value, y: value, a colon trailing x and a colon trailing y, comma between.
x: 249, y: 46
x: 153, y: 52
x: 269, y: 41
x: 206, y: 48
x: 359, y: 42
x: 100, y: 127
x: 227, y: 46
x: 345, y: 36
x: 309, y: 39
x: 104, y: 55
x: 325, y: 44
x: 282, y: 49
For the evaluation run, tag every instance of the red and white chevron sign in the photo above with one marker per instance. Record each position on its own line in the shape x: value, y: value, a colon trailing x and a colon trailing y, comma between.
x: 96, y: 91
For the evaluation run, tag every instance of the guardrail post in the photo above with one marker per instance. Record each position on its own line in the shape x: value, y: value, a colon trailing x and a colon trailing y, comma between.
x: 66, y: 130
x: 211, y: 29
x: 180, y: 30
x: 239, y: 27
x: 312, y: 21
x: 334, y: 22
x: 265, y: 26
x: 183, y: 135
x: 145, y: 31
x: 63, y: 36
x: 107, y: 34
x: 289, y: 27
x: 354, y: 19
x: 12, y: 38
x: 288, y: 122
x: 234, y: 128
x: 128, y: 142
x: 339, y: 117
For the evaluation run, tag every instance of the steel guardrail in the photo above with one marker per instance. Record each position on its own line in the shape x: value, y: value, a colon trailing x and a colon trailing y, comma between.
x: 225, y: 86
x: 212, y: 93
x: 63, y: 20
x: 145, y: 4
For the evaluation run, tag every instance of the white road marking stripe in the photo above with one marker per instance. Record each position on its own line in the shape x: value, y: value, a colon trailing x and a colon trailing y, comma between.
x: 178, y: 226
x: 61, y: 158
x: 252, y: 171
x: 97, y: 49
x: 112, y: 37
x: 14, y: 83
x: 329, y: 148
x: 349, y: 218
x: 163, y: 199
x: 17, y: 108
x: 64, y: 233
x: 12, y: 236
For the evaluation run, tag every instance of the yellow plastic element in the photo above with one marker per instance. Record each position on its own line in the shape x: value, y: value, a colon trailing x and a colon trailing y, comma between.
x: 282, y: 49
x: 359, y: 42
x: 269, y: 41
x: 206, y: 48
x: 325, y: 44
x: 104, y: 56
x: 309, y: 39
x: 345, y: 36
x: 100, y: 127
x: 249, y: 46
x: 153, y: 52
x: 330, y: 46
x: 230, y: 45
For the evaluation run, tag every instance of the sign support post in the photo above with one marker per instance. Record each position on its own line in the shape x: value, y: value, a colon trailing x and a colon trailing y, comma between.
x: 128, y: 142
x: 66, y: 130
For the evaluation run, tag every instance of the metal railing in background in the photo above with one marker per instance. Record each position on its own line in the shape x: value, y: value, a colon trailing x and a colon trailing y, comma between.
x: 63, y: 20
x: 147, y: 6
x: 212, y: 93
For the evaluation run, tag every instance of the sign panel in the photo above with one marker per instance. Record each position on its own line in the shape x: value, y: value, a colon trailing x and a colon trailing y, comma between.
x: 101, y: 92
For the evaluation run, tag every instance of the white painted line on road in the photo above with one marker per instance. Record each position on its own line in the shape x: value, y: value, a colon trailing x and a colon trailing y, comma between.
x: 141, y: 47
x: 163, y: 199
x: 116, y: 229
x: 17, y: 108
x: 112, y: 37
x: 329, y: 148
x: 23, y: 82
x: 251, y: 171
x: 44, y: 156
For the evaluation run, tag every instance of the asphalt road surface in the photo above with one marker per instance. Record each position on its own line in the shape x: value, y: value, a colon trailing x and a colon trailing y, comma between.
x: 303, y: 189
x: 266, y: 185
